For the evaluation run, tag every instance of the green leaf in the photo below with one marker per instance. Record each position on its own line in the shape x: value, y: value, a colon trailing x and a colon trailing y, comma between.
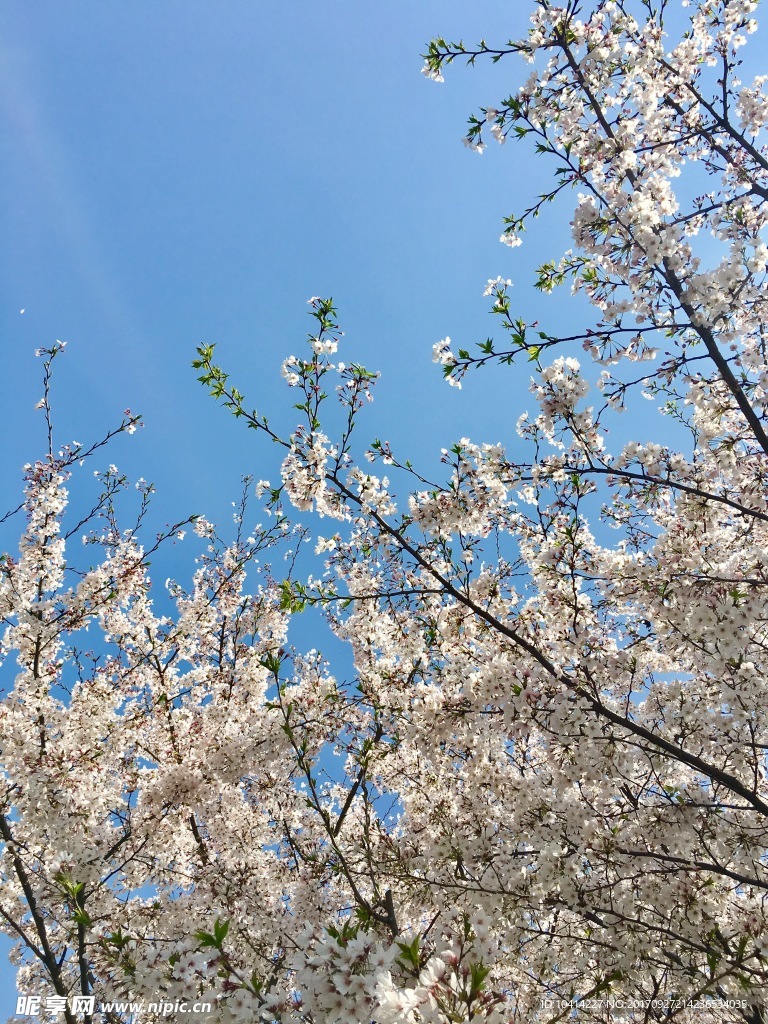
x: 271, y: 662
x: 409, y: 952
x: 216, y: 940
x: 477, y: 974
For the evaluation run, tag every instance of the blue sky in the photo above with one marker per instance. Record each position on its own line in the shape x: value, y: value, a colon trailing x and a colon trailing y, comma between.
x: 183, y: 172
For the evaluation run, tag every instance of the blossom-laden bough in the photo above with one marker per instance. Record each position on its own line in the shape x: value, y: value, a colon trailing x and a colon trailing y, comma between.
x: 543, y: 796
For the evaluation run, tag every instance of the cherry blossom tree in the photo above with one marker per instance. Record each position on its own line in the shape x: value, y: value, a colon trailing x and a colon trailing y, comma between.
x: 542, y: 796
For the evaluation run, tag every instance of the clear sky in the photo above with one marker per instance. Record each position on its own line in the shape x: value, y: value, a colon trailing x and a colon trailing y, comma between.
x: 183, y: 171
